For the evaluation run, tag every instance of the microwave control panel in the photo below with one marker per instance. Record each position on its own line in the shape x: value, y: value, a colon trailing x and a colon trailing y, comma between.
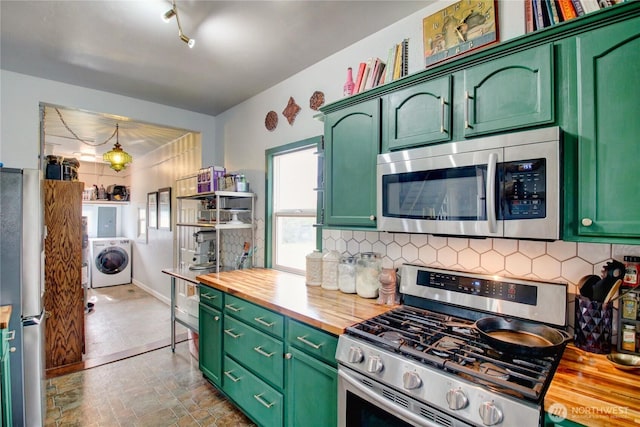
x: 523, y: 186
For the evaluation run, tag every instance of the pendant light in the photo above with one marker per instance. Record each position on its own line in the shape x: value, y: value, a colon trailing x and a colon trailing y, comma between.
x: 117, y: 156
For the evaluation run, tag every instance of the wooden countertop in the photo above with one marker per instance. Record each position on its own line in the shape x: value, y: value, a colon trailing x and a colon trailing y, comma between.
x: 285, y: 293
x: 5, y: 316
x: 183, y: 273
x: 593, y: 391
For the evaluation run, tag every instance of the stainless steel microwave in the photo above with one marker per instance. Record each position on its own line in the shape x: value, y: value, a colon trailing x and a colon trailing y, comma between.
x: 497, y: 186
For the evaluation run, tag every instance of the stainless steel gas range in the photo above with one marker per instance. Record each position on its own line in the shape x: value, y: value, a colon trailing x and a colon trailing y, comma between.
x: 426, y: 363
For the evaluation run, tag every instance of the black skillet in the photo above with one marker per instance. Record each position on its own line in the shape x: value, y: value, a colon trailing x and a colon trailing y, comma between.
x: 519, y: 337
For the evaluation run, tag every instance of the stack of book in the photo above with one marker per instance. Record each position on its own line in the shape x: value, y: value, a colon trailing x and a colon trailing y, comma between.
x: 373, y: 72
x: 545, y: 13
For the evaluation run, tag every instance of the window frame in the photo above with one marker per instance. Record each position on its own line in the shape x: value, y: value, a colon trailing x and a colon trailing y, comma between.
x: 270, y: 217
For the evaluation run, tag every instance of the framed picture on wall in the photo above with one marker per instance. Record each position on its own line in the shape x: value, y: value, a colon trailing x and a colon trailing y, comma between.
x: 458, y: 29
x: 164, y: 208
x: 152, y: 210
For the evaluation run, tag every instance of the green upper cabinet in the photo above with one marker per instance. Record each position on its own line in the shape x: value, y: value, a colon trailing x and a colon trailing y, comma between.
x: 608, y: 61
x: 417, y: 115
x: 508, y: 93
x: 352, y: 142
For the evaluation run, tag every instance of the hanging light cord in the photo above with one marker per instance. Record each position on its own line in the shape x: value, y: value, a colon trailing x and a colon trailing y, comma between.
x: 82, y: 140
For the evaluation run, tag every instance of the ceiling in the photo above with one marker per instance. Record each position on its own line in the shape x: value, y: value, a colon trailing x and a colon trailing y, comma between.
x: 242, y: 48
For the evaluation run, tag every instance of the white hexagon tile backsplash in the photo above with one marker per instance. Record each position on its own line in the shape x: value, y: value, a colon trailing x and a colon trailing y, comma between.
x: 558, y: 261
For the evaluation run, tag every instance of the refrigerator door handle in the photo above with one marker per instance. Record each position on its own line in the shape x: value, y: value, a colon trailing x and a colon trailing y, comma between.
x: 33, y: 320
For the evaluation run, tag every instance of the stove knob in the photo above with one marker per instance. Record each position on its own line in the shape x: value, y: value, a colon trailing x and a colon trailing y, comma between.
x: 457, y: 399
x: 411, y: 380
x: 355, y: 355
x: 490, y: 414
x: 374, y: 364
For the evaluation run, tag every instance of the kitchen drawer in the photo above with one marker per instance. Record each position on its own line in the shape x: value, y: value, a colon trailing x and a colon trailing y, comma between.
x: 256, y: 398
x: 255, y: 350
x: 211, y: 297
x: 258, y: 317
x: 313, y: 341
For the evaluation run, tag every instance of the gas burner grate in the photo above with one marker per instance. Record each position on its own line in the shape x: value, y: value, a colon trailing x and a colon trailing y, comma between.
x: 430, y: 338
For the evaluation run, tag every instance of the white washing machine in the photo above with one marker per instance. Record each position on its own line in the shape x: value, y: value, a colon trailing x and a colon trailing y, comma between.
x: 110, y: 261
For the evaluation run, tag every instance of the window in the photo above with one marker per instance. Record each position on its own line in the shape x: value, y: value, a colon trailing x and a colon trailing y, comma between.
x: 292, y: 205
x: 142, y: 224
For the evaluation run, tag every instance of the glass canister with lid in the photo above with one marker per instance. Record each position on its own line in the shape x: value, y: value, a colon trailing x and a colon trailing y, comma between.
x: 368, y: 268
x: 347, y: 274
x: 330, y: 270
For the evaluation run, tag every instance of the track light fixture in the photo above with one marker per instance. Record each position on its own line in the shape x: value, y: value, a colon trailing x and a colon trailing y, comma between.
x: 174, y: 12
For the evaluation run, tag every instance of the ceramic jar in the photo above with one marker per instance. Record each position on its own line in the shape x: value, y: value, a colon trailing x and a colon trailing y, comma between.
x: 330, y: 270
x: 314, y: 268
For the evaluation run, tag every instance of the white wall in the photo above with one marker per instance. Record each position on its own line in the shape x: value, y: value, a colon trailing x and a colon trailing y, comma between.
x: 159, y: 169
x: 242, y: 128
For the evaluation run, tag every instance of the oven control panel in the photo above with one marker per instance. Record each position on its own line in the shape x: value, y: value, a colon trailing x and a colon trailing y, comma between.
x: 496, y: 289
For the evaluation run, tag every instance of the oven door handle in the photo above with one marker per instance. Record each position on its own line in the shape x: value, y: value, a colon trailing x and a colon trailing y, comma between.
x: 383, y: 403
x: 491, y: 192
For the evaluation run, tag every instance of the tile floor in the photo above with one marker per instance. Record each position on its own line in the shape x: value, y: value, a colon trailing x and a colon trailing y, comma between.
x: 156, y: 388
x: 124, y: 317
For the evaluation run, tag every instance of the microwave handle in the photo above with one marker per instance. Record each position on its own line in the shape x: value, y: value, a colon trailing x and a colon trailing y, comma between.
x: 491, y: 192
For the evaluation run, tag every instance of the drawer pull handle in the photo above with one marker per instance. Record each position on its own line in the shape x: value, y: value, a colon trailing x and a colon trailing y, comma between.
x: 264, y: 403
x: 309, y: 343
x: 232, y: 308
x: 231, y: 377
x: 262, y: 322
x: 259, y: 350
x: 209, y: 297
x: 216, y: 318
x: 231, y: 334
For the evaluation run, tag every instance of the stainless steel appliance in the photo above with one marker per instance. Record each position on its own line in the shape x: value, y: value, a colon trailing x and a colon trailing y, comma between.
x: 426, y: 364
x: 498, y: 186
x: 22, y: 286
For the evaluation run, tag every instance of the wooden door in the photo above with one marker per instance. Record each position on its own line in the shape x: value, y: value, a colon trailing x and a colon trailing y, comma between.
x: 64, y: 295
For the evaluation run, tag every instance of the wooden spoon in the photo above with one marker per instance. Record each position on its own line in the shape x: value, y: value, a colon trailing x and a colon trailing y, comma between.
x: 612, y: 292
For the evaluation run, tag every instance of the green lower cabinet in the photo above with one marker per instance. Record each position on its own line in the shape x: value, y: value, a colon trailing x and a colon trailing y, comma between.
x: 608, y: 65
x: 255, y: 350
x: 312, y: 391
x: 261, y: 402
x: 6, y: 412
x: 210, y: 341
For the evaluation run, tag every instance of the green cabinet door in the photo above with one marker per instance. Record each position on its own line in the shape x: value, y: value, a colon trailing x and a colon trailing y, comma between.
x: 352, y: 142
x: 508, y: 93
x: 609, y: 131
x: 417, y: 115
x: 210, y: 350
x: 312, y: 391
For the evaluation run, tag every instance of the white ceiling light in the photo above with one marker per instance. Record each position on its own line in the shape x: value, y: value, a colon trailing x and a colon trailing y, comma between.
x: 174, y: 12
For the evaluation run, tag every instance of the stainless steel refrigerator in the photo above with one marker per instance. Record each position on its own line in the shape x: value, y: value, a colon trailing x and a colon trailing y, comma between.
x: 22, y: 286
